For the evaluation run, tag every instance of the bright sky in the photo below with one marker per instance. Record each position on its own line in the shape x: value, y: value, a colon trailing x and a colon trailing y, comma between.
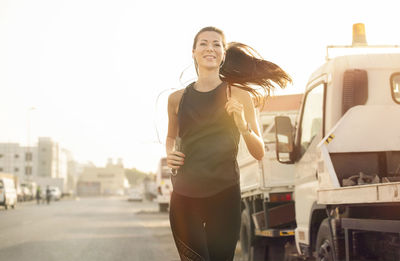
x: 93, y: 69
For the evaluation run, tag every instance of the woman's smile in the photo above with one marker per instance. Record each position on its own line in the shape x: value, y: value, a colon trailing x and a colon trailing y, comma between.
x: 209, y: 51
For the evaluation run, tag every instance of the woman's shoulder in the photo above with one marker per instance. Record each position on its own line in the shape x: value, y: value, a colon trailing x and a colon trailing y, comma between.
x: 239, y: 93
x: 175, y: 97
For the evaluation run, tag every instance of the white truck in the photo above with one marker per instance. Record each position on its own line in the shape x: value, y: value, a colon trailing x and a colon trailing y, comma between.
x: 344, y: 159
x: 164, y: 185
x: 267, y: 188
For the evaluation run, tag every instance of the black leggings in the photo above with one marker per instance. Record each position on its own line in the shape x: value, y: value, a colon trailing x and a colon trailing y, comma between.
x: 206, y: 229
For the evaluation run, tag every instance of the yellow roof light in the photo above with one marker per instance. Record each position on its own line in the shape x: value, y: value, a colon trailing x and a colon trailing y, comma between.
x: 359, y: 37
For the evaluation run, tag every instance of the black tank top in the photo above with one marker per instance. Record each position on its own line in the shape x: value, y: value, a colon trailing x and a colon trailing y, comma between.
x: 209, y: 140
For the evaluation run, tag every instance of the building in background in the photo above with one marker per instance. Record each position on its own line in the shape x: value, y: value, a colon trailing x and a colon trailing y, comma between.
x: 48, y: 158
x: 100, y: 181
x: 280, y: 105
x: 44, y: 164
x: 73, y: 170
x: 17, y: 160
x: 47, y: 163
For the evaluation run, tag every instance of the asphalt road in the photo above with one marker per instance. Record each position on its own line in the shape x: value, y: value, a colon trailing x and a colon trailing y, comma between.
x: 88, y: 229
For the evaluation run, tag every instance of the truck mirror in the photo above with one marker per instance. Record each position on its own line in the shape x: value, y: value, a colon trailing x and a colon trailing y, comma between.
x: 284, y: 139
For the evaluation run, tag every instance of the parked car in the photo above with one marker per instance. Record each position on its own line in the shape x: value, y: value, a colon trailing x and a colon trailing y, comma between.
x: 135, y: 195
x: 20, y: 194
x: 27, y: 193
x: 55, y: 193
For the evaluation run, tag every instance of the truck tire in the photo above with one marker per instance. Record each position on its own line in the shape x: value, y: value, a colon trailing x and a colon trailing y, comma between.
x: 253, y: 248
x: 246, y: 236
x: 291, y: 251
x: 163, y: 207
x: 275, y: 249
x: 324, y: 245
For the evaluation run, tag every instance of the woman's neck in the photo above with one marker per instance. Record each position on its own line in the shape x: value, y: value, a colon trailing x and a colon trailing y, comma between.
x: 207, y: 80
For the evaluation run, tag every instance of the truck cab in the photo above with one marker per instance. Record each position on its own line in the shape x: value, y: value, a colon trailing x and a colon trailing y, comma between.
x: 348, y: 131
x: 342, y: 157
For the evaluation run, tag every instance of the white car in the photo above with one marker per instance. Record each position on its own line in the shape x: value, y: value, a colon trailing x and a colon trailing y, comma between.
x: 135, y: 195
x: 55, y: 193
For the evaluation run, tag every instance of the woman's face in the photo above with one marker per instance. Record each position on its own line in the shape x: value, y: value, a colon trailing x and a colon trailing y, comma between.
x: 209, y: 52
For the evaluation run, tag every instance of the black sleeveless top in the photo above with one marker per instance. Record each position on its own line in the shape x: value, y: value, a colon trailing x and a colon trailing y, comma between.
x: 209, y: 140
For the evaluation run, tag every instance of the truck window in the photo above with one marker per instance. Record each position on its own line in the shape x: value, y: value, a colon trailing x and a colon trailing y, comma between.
x: 311, y: 123
x: 165, y: 171
x: 269, y: 133
x: 395, y: 86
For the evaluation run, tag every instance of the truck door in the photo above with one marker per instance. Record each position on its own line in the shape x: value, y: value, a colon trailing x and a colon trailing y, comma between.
x: 309, y: 134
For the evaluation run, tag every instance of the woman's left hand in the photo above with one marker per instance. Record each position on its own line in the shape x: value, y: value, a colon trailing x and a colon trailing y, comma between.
x: 235, y: 107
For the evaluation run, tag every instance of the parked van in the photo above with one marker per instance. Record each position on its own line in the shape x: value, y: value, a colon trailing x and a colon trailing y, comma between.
x: 8, y: 193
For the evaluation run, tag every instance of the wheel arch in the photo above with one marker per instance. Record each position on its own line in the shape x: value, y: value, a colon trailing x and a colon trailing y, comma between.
x: 316, y: 218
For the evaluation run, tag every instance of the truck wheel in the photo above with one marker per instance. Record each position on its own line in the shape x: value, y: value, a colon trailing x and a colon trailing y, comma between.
x: 324, y: 246
x: 163, y: 207
x: 246, y: 236
x: 291, y: 251
x: 276, y: 249
x: 253, y: 248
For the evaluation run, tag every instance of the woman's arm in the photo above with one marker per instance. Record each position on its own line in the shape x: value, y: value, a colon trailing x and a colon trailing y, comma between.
x: 242, y: 106
x: 174, y: 158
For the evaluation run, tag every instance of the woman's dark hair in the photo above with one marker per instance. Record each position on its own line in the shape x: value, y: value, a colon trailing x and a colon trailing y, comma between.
x: 244, y: 67
x: 210, y: 29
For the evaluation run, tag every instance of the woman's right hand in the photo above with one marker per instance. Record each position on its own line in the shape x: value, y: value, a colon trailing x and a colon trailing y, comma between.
x: 175, y: 159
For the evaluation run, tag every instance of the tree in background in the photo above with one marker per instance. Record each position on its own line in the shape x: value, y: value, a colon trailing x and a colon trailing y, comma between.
x: 145, y: 180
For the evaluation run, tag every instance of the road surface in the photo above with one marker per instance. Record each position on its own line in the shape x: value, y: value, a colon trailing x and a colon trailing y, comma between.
x: 86, y: 229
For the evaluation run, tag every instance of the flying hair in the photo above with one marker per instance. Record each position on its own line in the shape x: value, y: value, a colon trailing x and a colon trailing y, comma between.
x: 246, y: 69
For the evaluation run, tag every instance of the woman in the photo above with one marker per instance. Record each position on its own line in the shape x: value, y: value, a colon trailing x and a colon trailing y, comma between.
x: 206, y: 120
